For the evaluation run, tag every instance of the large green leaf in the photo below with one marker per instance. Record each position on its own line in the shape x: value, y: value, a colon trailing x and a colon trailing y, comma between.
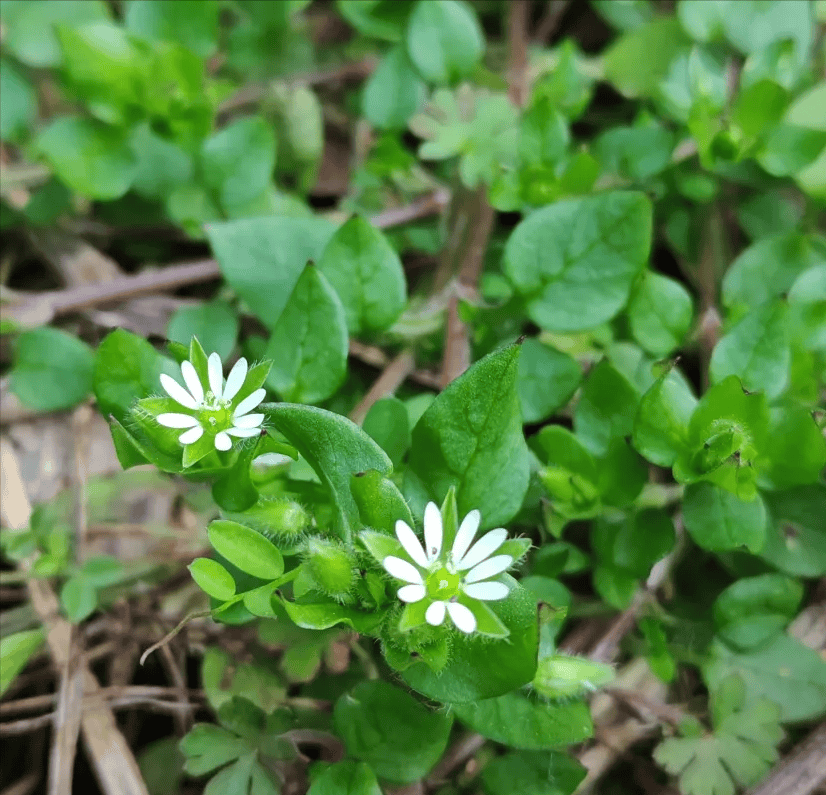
x: 308, y: 346
x: 15, y: 651
x: 796, y: 532
x: 471, y: 438
x: 519, y: 722
x: 576, y: 260
x: 263, y: 258
x: 346, y: 778
x: 532, y: 773
x: 335, y: 448
x: 719, y: 520
x: 386, y: 727
x: 548, y: 379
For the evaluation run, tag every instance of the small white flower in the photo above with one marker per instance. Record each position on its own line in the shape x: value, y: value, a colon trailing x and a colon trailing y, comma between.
x: 212, y: 410
x: 443, y: 578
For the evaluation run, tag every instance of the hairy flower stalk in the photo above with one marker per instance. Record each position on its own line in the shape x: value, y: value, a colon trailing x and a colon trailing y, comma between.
x: 444, y: 578
x: 209, y: 407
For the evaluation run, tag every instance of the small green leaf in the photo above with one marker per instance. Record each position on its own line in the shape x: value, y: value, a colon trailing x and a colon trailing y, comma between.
x: 718, y: 520
x: 796, y: 447
x: 756, y: 350
x: 547, y: 380
x: 194, y: 25
x: 213, y: 578
x: 92, y: 158
x: 18, y: 102
x: 15, y: 651
x: 394, y: 92
x: 519, y: 722
x: 445, y: 40
x: 471, y: 438
x: 387, y: 424
x: 52, y: 369
x: 576, y: 260
x: 79, y: 598
x: 308, y: 346
x: 246, y: 549
x: 660, y: 314
x: 346, y: 778
x: 327, y: 614
x: 367, y: 275
x: 263, y: 258
x: 532, y: 773
x: 637, y: 542
x: 386, y: 727
x: 207, y: 747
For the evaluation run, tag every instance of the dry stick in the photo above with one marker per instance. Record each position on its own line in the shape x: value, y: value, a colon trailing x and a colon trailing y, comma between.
x: 455, y: 757
x: 392, y: 377
x: 23, y: 786
x: 801, y: 771
x: 113, y: 761
x: 550, y: 20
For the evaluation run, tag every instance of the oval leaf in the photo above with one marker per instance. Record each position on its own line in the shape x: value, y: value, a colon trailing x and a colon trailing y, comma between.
x: 246, y: 549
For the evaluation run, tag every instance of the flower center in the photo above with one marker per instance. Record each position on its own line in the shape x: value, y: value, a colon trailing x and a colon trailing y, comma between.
x: 443, y: 584
x: 216, y: 416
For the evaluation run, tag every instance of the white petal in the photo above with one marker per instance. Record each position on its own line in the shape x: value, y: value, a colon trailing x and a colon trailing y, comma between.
x: 192, y: 435
x: 402, y: 570
x: 192, y: 381
x: 467, y: 531
x: 216, y: 375
x: 432, y: 531
x: 487, y: 591
x: 461, y: 617
x: 177, y: 420
x: 235, y: 379
x: 489, y: 568
x: 249, y: 421
x: 435, y: 614
x: 244, y: 433
x: 411, y: 593
x: 177, y: 392
x: 222, y: 441
x: 248, y: 403
x: 483, y: 548
x: 411, y: 543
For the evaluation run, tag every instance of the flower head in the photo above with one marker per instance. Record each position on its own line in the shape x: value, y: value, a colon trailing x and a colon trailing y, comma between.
x: 210, y: 407
x: 451, y: 582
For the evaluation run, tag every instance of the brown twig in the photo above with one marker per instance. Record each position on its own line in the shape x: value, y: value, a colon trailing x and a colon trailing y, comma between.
x: 802, y: 770
x: 455, y: 756
x: 519, y: 12
x: 554, y: 11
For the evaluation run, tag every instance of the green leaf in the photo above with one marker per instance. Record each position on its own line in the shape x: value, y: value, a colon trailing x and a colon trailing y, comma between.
x: 52, y: 369
x: 753, y: 609
x: 718, y: 520
x: 792, y: 674
x: 234, y: 778
x: 386, y: 423
x: 518, y: 722
x: 380, y: 503
x: 637, y: 61
x: 393, y: 93
x: 18, y: 102
x: 481, y: 668
x: 471, y: 438
x: 263, y: 258
x: 194, y: 25
x: 380, y: 19
x: 214, y: 323
x: 796, y: 447
x: 15, y: 651
x: 576, y: 260
x: 246, y: 549
x: 635, y: 153
x: 235, y: 490
x: 768, y: 268
x: 532, y: 773
x: 444, y: 40
x: 546, y: 382
x: 386, y: 727
x: 660, y: 429
x: 31, y: 33
x: 345, y: 778
x: 238, y: 161
x: 796, y: 533
x: 637, y: 542
x: 562, y: 677
x: 79, y: 598
x: 757, y: 350
x: 660, y: 314
x: 213, y: 578
x: 92, y: 158
x: 335, y: 448
x: 328, y: 614
x: 367, y: 274
x: 207, y: 747
x: 308, y: 346
x: 606, y: 409
x: 127, y: 368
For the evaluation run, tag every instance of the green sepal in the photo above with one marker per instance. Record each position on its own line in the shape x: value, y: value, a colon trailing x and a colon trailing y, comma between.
x: 235, y: 491
x: 256, y: 375
x: 450, y: 519
x: 161, y: 459
x: 194, y: 452
x: 413, y: 615
x: 126, y: 448
x: 198, y: 357
x: 517, y: 548
x: 178, y: 351
x: 487, y: 622
x: 380, y: 545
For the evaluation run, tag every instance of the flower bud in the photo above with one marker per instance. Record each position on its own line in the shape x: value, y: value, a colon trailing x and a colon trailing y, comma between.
x: 279, y: 519
x: 331, y: 566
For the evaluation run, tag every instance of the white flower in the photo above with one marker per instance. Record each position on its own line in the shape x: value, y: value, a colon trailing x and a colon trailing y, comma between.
x: 443, y: 578
x: 212, y: 410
